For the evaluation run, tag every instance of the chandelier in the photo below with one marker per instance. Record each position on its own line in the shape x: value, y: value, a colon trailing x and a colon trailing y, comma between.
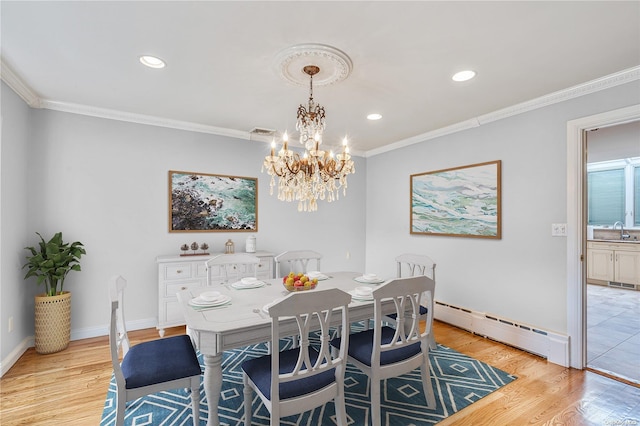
x: 317, y: 174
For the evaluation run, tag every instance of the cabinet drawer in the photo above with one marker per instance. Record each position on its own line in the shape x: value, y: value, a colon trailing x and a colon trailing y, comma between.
x: 175, y: 271
x: 172, y: 289
x: 201, y: 269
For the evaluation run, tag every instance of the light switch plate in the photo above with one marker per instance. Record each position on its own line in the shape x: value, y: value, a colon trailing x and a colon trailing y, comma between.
x: 559, y: 229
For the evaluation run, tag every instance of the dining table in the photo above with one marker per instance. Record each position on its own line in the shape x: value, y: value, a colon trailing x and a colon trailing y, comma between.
x: 243, y: 321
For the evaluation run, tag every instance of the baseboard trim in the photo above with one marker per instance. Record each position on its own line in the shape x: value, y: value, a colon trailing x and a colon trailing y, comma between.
x: 87, y: 333
x: 15, y: 354
x: 79, y: 334
x: 550, y: 345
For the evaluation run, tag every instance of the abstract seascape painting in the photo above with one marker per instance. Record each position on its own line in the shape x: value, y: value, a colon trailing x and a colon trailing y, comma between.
x: 458, y: 202
x: 200, y: 202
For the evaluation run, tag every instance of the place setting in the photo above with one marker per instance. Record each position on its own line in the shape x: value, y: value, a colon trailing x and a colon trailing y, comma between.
x: 210, y: 300
x: 362, y: 293
x: 369, y: 279
x: 247, y: 283
x: 317, y: 275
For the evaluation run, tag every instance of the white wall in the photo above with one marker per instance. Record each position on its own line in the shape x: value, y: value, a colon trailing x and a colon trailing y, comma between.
x: 614, y: 143
x: 105, y: 183
x: 522, y: 276
x: 16, y: 297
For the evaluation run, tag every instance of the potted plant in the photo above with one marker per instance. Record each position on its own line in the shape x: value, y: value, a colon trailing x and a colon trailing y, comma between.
x: 50, y: 262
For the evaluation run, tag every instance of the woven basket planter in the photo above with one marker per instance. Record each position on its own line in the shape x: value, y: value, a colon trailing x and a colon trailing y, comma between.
x: 53, y: 322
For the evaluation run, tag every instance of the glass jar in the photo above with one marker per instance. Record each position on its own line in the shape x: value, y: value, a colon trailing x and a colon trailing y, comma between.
x: 251, y: 244
x: 228, y: 246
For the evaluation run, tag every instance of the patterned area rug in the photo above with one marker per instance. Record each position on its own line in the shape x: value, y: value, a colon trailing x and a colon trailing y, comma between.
x: 459, y: 381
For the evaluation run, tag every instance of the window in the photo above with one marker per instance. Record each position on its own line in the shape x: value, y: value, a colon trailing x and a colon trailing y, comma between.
x: 613, y: 190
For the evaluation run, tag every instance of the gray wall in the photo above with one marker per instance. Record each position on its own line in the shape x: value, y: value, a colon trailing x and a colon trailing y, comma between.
x: 105, y: 183
x: 16, y: 296
x: 614, y: 143
x: 523, y: 276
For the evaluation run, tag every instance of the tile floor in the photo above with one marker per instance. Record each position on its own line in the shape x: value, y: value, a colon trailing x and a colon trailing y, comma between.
x: 613, y: 331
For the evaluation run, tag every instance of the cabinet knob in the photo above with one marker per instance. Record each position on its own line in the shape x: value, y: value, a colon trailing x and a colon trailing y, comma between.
x: 179, y: 271
x: 183, y: 288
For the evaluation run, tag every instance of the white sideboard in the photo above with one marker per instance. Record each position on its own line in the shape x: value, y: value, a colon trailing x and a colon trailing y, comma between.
x: 177, y: 273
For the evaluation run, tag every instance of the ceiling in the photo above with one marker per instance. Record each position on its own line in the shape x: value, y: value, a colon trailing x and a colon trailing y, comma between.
x: 222, y: 75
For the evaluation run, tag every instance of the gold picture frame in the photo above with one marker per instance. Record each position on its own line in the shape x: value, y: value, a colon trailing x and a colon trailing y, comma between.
x: 203, y: 202
x: 458, y: 202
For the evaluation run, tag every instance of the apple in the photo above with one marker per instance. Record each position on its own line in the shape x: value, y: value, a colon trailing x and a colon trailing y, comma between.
x: 298, y: 283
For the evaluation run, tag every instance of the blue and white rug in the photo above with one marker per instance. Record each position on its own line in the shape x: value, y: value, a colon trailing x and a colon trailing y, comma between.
x: 459, y: 381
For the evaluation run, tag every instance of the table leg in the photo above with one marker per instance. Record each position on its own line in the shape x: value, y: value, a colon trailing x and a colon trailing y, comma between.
x: 213, y: 385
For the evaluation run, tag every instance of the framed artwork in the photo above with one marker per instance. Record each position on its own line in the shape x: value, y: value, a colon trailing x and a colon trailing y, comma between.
x: 201, y: 202
x: 458, y: 202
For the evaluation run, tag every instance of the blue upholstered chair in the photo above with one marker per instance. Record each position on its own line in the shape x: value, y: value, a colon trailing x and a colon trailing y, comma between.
x: 292, y: 381
x: 384, y: 352
x: 149, y: 367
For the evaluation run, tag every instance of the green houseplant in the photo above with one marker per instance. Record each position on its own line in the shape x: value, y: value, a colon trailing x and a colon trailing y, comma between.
x: 50, y: 263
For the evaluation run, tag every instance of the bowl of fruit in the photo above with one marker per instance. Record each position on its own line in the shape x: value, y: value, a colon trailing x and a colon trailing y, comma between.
x: 299, y: 282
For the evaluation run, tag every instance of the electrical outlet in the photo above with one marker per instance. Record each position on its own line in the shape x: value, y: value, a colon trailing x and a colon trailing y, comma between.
x: 559, y: 229
x: 10, y: 324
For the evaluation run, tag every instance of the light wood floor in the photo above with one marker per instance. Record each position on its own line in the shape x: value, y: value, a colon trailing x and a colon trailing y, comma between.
x: 69, y: 387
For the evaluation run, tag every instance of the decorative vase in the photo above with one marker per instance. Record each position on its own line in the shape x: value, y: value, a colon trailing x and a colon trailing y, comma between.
x: 53, y: 322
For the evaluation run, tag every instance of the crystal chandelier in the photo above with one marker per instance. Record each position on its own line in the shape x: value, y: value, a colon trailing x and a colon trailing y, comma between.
x: 317, y: 175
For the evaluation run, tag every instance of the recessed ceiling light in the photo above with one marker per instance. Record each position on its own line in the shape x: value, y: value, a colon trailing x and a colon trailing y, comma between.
x: 374, y: 116
x: 152, y: 61
x: 463, y: 75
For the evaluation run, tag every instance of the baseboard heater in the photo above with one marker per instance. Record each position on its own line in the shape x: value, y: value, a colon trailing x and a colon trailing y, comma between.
x: 550, y: 345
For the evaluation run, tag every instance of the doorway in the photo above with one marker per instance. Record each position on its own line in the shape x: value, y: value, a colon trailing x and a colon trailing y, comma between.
x: 613, y: 302
x: 576, y: 223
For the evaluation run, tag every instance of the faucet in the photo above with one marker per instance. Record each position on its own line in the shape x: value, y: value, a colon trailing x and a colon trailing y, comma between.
x: 623, y: 236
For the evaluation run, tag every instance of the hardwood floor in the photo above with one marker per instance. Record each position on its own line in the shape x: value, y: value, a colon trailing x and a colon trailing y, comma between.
x: 69, y: 387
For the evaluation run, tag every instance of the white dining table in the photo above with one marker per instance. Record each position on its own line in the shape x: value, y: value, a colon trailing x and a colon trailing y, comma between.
x: 242, y: 322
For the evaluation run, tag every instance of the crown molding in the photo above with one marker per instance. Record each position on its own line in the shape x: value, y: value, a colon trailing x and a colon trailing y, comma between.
x: 9, y: 76
x: 32, y: 99
x: 143, y: 119
x: 606, y: 82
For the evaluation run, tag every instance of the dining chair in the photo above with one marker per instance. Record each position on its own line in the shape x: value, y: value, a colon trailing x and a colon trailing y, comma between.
x: 384, y: 352
x: 232, y: 266
x: 149, y: 367
x: 292, y: 381
x: 297, y: 260
x: 413, y: 265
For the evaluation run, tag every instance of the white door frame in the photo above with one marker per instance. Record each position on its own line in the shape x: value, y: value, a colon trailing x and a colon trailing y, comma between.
x: 576, y: 223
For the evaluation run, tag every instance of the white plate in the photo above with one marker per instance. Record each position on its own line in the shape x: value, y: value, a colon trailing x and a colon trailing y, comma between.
x: 210, y: 296
x: 199, y: 303
x: 240, y: 285
x: 249, y: 280
x: 362, y: 279
x: 364, y: 291
x: 356, y: 296
x: 317, y: 274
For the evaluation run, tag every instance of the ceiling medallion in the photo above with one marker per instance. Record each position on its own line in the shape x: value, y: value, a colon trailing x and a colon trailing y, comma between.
x: 334, y: 64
